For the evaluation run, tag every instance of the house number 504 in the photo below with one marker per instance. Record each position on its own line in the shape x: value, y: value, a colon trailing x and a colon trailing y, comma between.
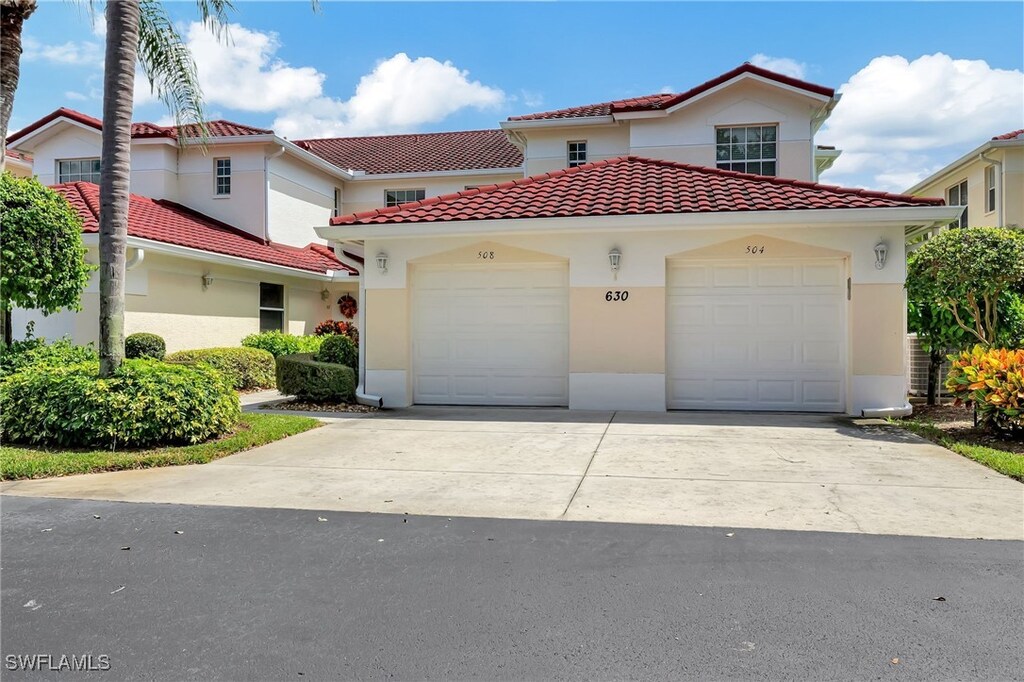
x: 755, y: 249
x: 616, y: 296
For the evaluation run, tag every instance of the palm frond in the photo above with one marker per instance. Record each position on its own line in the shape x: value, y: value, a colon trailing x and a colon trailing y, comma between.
x: 171, y: 70
x: 214, y: 15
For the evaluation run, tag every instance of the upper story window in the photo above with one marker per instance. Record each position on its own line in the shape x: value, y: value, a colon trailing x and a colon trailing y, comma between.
x: 396, y: 197
x: 271, y: 307
x: 990, y: 189
x: 336, y: 211
x: 957, y: 196
x: 577, y: 153
x: 78, y: 170
x: 747, y: 149
x: 222, y: 176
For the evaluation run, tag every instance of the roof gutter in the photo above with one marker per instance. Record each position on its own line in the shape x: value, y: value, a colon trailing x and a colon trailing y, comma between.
x: 558, y: 122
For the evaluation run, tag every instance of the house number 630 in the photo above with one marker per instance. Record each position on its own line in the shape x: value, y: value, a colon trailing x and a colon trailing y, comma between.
x: 616, y: 296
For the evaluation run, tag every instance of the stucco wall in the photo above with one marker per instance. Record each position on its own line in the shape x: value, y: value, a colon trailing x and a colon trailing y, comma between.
x: 1012, y: 196
x: 301, y: 197
x: 619, y: 349
x: 367, y: 194
x: 245, y: 207
x: 547, y: 149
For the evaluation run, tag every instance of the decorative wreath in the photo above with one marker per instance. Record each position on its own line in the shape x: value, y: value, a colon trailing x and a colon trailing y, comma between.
x: 348, y: 306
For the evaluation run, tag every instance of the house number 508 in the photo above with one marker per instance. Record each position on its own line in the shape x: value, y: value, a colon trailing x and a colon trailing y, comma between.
x: 616, y: 296
x: 486, y: 255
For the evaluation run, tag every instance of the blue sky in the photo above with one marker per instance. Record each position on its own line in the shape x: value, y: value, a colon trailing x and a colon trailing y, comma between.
x: 368, y: 68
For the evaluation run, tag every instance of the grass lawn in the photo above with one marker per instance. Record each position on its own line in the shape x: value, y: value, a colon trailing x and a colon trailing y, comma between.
x: 252, y: 431
x: 953, y: 428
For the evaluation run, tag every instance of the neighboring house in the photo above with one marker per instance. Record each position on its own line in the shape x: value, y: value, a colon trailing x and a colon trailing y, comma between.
x: 666, y: 251
x: 988, y: 181
x: 19, y: 164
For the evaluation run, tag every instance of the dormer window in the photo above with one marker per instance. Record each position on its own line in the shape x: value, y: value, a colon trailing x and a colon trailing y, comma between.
x: 577, y: 153
x: 78, y: 170
x: 222, y: 176
x: 747, y: 149
x: 397, y: 197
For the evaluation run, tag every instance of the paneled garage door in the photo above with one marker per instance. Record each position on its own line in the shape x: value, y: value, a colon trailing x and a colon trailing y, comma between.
x: 495, y: 335
x: 757, y: 336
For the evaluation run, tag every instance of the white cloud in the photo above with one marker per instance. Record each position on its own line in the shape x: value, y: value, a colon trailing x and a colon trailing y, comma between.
x: 72, y: 53
x: 783, y: 65
x: 666, y: 90
x: 75, y: 96
x: 899, y: 120
x: 400, y: 95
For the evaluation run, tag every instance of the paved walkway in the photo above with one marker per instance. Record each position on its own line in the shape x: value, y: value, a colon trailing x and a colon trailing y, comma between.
x: 787, y: 472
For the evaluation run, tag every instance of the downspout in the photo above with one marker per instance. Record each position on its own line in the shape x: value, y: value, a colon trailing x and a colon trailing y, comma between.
x: 266, y: 196
x: 133, y: 262
x: 362, y: 397
x: 999, y: 187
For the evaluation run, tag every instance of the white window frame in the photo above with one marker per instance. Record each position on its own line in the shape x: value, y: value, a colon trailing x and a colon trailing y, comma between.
x: 991, y: 192
x: 336, y: 211
x: 961, y: 190
x: 575, y: 153
x: 93, y: 176
x: 271, y: 309
x: 218, y: 176
x: 418, y: 194
x: 739, y: 151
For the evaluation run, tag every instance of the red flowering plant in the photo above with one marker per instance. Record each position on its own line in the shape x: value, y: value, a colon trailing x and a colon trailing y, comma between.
x: 348, y: 306
x: 340, y: 327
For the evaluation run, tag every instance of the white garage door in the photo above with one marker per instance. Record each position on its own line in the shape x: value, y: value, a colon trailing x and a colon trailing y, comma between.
x: 495, y: 335
x: 757, y: 336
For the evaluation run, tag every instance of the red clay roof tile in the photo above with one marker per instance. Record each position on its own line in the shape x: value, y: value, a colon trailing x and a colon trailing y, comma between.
x: 1011, y: 135
x: 631, y: 185
x: 165, y: 221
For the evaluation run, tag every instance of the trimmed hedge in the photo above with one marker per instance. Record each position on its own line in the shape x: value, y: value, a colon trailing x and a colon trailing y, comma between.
x: 22, y: 354
x: 302, y: 376
x: 991, y: 381
x: 245, y: 368
x: 145, y: 403
x: 279, y: 343
x: 340, y: 350
x: 144, y: 345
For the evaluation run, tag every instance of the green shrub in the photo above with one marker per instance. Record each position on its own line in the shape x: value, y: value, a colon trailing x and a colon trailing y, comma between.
x: 145, y: 403
x: 302, y: 376
x: 992, y: 381
x: 143, y: 345
x: 22, y: 354
x: 279, y: 343
x: 245, y: 368
x: 340, y: 350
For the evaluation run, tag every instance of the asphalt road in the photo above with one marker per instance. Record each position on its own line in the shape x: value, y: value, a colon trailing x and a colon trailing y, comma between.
x: 261, y: 594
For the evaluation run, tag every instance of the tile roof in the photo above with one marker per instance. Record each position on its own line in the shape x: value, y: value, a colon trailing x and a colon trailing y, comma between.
x: 143, y: 129
x: 165, y: 221
x: 1015, y: 135
x: 667, y: 100
x: 418, y: 152
x: 631, y: 185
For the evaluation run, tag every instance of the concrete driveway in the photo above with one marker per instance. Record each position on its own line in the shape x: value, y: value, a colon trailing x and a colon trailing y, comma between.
x: 779, y: 471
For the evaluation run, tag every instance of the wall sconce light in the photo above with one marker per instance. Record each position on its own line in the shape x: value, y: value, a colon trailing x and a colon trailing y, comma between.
x: 207, y: 281
x: 382, y: 263
x: 614, y: 258
x: 324, y: 294
x: 881, y: 250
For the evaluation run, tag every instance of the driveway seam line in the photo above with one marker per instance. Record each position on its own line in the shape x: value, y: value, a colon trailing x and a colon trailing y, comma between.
x: 589, y: 464
x: 819, y: 483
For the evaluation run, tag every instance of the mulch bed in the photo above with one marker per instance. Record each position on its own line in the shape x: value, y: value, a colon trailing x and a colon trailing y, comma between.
x: 958, y: 422
x: 306, y: 406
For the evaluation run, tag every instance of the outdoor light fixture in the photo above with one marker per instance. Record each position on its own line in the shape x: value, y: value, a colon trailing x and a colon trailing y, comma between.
x: 382, y: 263
x: 614, y: 256
x: 207, y: 281
x: 880, y: 252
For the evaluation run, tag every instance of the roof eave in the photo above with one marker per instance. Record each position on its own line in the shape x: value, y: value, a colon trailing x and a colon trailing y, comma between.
x: 516, y: 170
x: 966, y: 158
x: 818, y: 97
x: 899, y: 216
x: 570, y: 122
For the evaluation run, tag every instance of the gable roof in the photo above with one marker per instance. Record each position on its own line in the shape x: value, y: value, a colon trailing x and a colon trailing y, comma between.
x: 631, y: 185
x: 171, y: 223
x: 662, y: 101
x: 1015, y: 135
x: 142, y: 129
x: 418, y: 152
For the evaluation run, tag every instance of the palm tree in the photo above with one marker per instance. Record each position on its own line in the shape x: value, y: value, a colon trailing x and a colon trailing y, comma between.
x: 13, y: 14
x: 138, y: 31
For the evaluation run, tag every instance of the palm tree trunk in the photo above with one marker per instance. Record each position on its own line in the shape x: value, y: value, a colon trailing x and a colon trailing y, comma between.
x: 13, y: 14
x: 115, y: 158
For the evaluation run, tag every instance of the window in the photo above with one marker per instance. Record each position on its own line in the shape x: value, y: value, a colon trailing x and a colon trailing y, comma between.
x: 957, y: 196
x: 271, y: 307
x: 990, y: 189
x: 747, y: 149
x: 337, y: 203
x: 577, y: 153
x: 78, y: 170
x: 222, y: 173
x: 396, y: 197
x: 469, y: 187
